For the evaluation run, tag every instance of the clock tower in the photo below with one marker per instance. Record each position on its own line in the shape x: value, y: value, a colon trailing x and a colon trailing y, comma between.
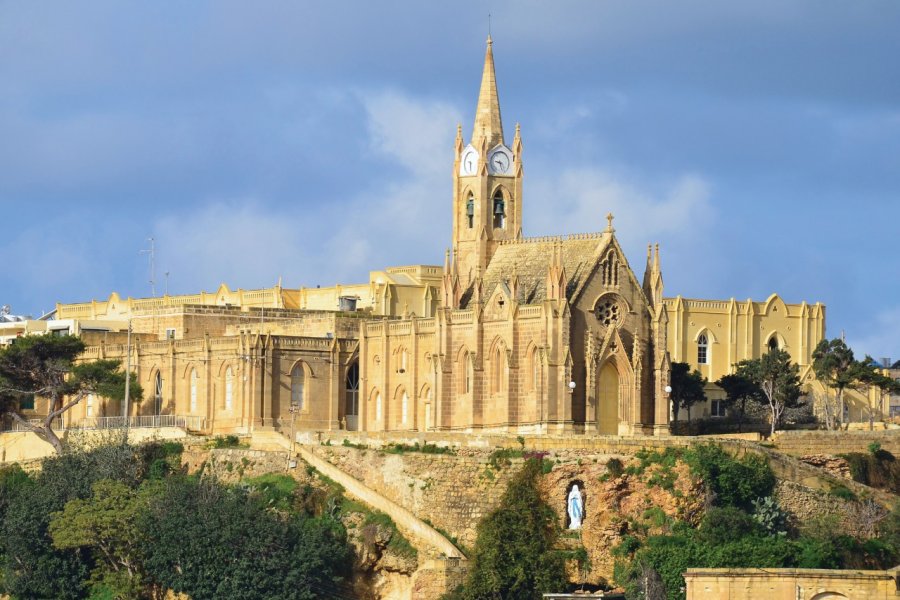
x: 487, y: 183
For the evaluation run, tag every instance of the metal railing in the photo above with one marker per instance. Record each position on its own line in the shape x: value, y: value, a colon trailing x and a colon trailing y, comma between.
x: 135, y: 422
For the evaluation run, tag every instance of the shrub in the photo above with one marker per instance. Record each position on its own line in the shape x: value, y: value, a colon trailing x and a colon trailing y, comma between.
x: 615, y: 468
x: 225, y: 441
x: 514, y: 556
x: 734, y: 482
x: 879, y: 468
x: 842, y: 492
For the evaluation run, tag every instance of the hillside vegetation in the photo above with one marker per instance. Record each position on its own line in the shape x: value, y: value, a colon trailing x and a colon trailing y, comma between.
x: 126, y: 522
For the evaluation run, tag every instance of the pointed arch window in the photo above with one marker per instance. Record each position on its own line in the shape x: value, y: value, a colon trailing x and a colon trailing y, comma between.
x: 499, y: 369
x: 298, y: 386
x: 158, y: 393
x: 499, y: 210
x: 773, y: 343
x: 404, y: 407
x: 229, y: 389
x: 703, y: 349
x: 378, y: 406
x: 468, y: 373
x: 610, y: 269
x: 470, y: 211
x: 194, y: 379
x: 352, y: 405
x: 535, y: 371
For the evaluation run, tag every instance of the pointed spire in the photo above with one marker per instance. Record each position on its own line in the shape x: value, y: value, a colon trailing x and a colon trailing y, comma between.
x: 447, y: 262
x: 487, y: 113
x: 459, y: 140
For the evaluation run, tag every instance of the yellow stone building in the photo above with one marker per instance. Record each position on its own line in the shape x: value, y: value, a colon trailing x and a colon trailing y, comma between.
x: 511, y: 334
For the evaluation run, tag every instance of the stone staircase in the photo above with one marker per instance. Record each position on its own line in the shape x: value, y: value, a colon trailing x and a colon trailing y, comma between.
x: 424, y: 537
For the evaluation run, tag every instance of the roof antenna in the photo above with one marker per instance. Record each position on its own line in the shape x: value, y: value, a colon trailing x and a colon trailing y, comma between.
x: 152, y: 255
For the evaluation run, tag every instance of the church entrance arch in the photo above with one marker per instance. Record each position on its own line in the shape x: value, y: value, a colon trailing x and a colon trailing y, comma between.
x: 351, y: 404
x: 608, y: 400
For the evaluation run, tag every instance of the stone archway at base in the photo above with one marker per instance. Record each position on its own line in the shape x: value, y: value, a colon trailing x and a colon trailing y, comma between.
x: 608, y: 400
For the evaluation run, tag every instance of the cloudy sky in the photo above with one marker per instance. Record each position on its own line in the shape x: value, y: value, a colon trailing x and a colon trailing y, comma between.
x: 757, y: 142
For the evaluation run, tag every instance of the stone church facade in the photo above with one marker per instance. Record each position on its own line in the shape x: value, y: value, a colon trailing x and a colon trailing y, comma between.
x: 511, y: 334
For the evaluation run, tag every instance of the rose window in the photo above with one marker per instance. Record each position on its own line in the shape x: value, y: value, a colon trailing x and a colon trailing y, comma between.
x: 608, y: 312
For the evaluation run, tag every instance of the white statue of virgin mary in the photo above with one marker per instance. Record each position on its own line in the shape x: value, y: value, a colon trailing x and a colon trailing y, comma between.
x: 575, y: 506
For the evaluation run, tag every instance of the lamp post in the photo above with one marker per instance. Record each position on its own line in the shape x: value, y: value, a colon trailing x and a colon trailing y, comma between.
x: 294, y: 409
x: 668, y: 390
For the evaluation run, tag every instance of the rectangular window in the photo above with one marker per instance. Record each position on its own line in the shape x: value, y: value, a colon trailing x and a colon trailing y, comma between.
x: 717, y: 408
x: 27, y: 403
x: 170, y: 333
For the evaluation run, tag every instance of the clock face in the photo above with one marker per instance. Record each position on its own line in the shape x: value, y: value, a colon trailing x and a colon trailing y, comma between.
x: 469, y: 162
x: 499, y: 161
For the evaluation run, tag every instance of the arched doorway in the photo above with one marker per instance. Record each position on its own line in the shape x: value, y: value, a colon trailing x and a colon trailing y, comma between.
x: 351, y: 404
x: 608, y: 400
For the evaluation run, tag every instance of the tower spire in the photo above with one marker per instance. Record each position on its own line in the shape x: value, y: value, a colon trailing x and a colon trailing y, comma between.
x: 487, y: 113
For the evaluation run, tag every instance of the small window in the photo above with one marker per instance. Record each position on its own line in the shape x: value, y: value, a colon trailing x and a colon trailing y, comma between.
x: 170, y: 333
x: 89, y: 411
x: 27, y: 402
x: 378, y: 406
x: 717, y: 408
x: 470, y: 211
x: 773, y: 343
x: 469, y: 373
x: 229, y: 388
x: 404, y: 407
x: 499, y: 211
x: 702, y: 349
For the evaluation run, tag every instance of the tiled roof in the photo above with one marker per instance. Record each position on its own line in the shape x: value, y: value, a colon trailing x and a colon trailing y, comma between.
x: 530, y: 259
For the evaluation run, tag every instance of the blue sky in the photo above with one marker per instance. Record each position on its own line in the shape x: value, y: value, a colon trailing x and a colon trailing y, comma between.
x: 758, y: 143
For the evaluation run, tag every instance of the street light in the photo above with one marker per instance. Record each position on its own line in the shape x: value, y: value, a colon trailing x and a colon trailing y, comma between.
x: 668, y: 389
x: 294, y: 409
x: 571, y: 387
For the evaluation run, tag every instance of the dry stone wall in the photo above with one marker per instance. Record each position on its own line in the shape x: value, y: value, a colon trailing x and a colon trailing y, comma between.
x: 800, y: 443
x: 453, y: 493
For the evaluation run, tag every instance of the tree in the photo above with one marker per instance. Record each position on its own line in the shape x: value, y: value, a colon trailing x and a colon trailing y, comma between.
x: 868, y: 375
x: 45, y: 366
x: 514, y: 557
x: 739, y: 388
x: 779, y: 380
x: 687, y: 388
x: 107, y: 523
x: 212, y: 541
x: 834, y: 365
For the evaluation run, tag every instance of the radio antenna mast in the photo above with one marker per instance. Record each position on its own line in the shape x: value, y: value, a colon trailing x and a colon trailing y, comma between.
x: 152, y: 257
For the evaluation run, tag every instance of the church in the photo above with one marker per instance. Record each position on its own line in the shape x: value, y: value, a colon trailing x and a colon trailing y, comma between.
x: 554, y: 335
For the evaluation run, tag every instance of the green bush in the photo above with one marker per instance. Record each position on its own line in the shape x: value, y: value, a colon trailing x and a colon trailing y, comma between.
x: 514, y: 557
x: 225, y: 441
x: 879, y: 468
x: 615, y: 468
x: 842, y: 492
x: 735, y: 482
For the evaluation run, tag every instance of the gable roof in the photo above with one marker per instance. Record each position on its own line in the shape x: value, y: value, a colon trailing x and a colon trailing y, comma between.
x: 530, y: 258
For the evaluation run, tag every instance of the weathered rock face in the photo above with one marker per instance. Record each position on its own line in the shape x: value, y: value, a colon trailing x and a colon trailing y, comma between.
x: 618, y: 506
x: 378, y: 572
x: 837, y: 466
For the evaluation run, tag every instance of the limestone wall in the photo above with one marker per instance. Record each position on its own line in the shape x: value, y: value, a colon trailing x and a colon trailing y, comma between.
x: 451, y: 492
x: 789, y: 584
x: 233, y: 464
x: 801, y: 443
